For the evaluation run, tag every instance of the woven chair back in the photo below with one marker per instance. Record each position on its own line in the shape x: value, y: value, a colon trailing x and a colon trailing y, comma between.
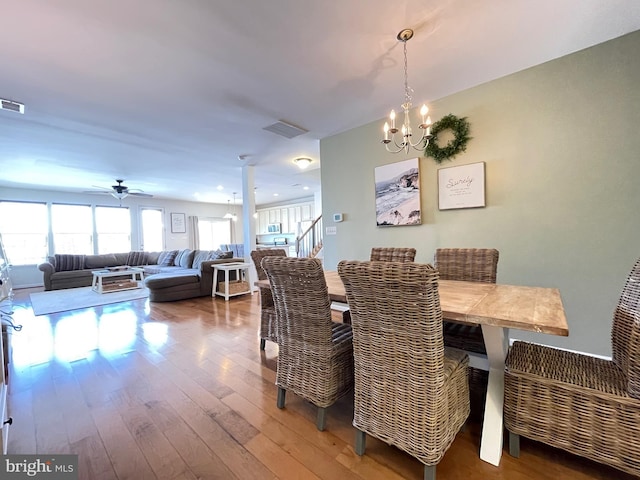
x: 398, y: 347
x: 467, y: 264
x: 625, y: 331
x: 266, y: 297
x: 303, y: 307
x: 258, y: 255
x: 392, y: 254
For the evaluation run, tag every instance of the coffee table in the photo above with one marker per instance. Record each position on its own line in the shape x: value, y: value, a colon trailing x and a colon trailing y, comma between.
x: 115, y: 280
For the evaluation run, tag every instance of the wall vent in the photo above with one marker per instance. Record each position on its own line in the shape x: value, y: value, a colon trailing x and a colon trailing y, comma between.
x: 10, y: 105
x: 285, y: 129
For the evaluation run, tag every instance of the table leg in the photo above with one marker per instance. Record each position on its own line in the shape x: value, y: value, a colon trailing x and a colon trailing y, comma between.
x: 496, y: 341
x: 226, y: 284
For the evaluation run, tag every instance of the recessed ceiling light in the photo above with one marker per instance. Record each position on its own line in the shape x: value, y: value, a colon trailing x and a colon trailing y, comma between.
x: 302, y: 162
x: 11, y: 105
x: 276, y: 194
x: 220, y: 187
x: 305, y: 188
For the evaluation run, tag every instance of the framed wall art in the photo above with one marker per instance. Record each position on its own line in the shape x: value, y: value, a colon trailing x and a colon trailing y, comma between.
x: 178, y: 223
x: 398, y: 193
x: 461, y: 187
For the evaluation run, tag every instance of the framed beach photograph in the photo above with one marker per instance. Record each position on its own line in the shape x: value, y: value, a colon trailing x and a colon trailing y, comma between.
x: 178, y: 223
x: 398, y: 193
x: 461, y: 187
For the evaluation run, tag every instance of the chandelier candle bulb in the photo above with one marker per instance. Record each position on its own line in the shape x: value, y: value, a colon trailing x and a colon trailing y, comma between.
x: 423, y: 113
x: 392, y: 117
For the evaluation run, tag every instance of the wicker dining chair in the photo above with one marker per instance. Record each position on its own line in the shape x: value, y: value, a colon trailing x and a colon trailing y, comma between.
x: 410, y: 391
x: 315, y: 354
x: 267, y: 308
x: 392, y: 254
x: 582, y: 404
x: 470, y: 265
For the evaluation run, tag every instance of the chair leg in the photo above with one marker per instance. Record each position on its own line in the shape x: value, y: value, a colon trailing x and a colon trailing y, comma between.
x: 514, y: 445
x: 263, y: 342
x: 429, y: 472
x: 321, y: 419
x: 281, y: 394
x: 361, y: 440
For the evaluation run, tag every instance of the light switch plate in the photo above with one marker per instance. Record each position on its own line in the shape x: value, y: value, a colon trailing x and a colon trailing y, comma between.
x: 330, y: 230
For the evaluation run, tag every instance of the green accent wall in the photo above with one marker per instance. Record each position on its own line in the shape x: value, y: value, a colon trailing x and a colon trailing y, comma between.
x: 561, y: 143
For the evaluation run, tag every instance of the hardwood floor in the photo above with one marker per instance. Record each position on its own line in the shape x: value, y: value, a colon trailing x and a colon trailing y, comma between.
x: 181, y: 390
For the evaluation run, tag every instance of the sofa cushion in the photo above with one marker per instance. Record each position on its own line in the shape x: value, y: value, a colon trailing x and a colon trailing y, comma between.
x: 101, y: 261
x: 64, y: 263
x: 167, y: 258
x: 164, y: 280
x: 137, y: 258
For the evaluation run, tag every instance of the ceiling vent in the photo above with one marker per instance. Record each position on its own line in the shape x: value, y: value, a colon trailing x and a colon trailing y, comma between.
x: 13, y: 106
x: 285, y: 129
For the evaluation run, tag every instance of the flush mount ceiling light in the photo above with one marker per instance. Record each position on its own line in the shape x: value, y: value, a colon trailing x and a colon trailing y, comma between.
x: 425, y: 125
x: 302, y: 162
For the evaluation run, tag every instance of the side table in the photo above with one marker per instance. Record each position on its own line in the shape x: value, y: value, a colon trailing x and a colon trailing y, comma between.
x: 226, y: 288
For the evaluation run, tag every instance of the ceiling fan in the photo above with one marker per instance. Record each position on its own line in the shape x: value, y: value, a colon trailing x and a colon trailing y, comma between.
x: 120, y: 191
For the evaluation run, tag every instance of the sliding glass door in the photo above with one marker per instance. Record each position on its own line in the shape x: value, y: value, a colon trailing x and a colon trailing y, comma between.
x: 151, y: 229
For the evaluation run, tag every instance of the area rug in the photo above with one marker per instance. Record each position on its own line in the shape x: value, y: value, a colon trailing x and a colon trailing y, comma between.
x: 54, y: 301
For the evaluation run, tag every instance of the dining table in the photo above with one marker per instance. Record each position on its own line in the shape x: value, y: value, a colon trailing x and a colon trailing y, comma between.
x: 496, y: 308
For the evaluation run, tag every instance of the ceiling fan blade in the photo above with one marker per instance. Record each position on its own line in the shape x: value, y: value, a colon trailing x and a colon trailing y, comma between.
x: 97, y: 192
x: 139, y: 194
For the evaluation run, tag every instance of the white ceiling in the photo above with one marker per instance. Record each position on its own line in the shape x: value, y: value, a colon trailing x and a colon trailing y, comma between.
x: 168, y: 94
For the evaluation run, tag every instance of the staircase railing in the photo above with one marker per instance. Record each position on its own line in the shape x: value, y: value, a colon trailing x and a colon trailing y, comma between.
x: 309, y: 243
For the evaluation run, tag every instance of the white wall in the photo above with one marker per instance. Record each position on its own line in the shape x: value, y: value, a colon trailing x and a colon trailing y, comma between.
x: 561, y: 147
x: 22, y: 276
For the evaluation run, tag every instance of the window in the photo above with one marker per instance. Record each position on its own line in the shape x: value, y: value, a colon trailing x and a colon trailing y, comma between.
x: 24, y: 228
x: 72, y: 227
x: 113, y: 228
x: 212, y: 232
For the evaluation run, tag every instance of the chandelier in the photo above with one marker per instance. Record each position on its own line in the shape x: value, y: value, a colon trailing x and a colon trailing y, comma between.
x: 390, y: 141
x: 229, y: 215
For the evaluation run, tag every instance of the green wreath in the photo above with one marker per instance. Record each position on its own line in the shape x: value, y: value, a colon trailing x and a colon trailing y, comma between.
x: 460, y: 128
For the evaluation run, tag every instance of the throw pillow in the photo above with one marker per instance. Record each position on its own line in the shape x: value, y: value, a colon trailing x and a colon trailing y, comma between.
x: 184, y: 258
x: 179, y: 256
x: 199, y: 257
x: 167, y: 258
x: 213, y: 255
x: 65, y: 263
x: 137, y: 259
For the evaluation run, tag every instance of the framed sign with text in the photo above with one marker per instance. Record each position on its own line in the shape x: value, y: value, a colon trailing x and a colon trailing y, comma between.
x: 461, y: 187
x: 178, y: 223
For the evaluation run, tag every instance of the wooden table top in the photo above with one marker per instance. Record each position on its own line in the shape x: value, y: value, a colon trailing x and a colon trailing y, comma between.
x: 535, y: 309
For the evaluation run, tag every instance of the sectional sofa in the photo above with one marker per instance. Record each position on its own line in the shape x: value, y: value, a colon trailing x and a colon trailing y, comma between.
x: 169, y: 275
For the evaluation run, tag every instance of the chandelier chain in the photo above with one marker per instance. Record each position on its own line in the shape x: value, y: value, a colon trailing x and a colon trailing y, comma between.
x: 407, y: 90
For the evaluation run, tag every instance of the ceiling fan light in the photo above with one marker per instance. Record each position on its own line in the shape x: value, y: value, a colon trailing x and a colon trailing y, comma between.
x: 120, y: 195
